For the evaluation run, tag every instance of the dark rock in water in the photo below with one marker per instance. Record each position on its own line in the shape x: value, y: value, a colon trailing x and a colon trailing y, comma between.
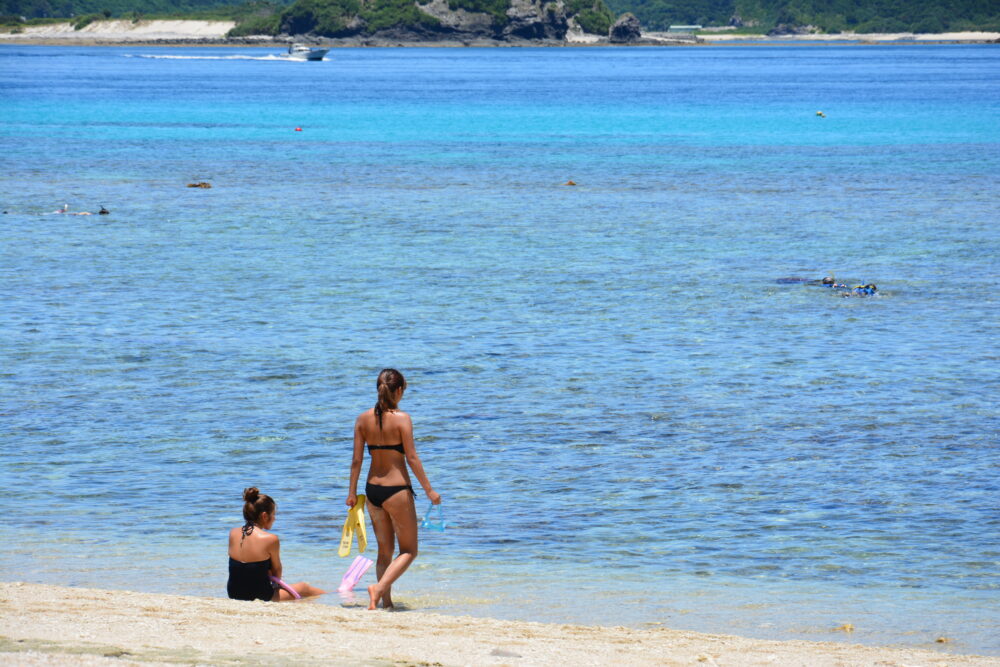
x: 626, y: 29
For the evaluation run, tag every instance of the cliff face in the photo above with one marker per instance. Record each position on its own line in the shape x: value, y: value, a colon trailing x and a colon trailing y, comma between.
x: 461, y: 20
x: 533, y: 19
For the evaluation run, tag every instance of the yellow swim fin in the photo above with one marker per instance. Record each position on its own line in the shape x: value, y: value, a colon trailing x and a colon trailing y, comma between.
x: 359, y: 515
x: 355, y: 521
x: 346, y: 536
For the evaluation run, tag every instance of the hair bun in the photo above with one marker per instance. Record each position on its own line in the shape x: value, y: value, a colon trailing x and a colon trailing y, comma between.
x: 250, y: 495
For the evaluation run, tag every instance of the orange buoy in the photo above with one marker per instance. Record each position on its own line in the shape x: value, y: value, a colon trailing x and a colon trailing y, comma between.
x: 569, y: 183
x: 298, y: 129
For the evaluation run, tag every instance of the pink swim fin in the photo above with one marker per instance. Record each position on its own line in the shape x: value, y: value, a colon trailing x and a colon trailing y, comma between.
x: 354, y: 573
x: 282, y: 584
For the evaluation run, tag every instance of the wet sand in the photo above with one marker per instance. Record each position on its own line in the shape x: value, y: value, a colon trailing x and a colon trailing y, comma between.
x: 52, y: 625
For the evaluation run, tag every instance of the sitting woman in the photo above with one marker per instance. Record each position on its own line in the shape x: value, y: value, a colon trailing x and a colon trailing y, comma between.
x: 254, y: 554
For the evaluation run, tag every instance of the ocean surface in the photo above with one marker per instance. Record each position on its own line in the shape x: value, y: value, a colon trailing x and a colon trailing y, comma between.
x: 632, y: 418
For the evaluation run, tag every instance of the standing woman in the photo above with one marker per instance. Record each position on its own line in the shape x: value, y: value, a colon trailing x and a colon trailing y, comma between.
x: 388, y: 432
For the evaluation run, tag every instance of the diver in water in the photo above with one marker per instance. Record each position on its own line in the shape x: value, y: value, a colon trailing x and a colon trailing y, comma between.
x: 869, y: 289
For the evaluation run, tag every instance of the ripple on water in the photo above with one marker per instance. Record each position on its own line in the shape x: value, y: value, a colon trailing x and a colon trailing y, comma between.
x: 606, y: 380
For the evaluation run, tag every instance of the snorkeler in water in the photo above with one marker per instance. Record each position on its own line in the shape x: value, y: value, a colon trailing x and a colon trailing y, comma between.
x: 869, y: 289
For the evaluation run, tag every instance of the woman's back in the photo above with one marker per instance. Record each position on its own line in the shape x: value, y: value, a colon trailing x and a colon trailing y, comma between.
x: 256, y: 546
x: 387, y: 445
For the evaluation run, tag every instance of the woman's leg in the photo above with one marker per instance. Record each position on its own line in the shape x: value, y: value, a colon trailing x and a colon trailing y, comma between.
x: 403, y: 514
x: 306, y: 591
x: 382, y: 523
x: 302, y: 588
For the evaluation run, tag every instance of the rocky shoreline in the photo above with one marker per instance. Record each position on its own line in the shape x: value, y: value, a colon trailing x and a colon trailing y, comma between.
x: 372, y: 42
x: 213, y: 33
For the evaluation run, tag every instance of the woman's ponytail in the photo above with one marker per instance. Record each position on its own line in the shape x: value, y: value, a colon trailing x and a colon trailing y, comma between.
x: 389, y: 382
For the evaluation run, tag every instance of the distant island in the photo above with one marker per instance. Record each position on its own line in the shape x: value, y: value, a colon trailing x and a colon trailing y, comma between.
x: 434, y: 20
x: 481, y: 22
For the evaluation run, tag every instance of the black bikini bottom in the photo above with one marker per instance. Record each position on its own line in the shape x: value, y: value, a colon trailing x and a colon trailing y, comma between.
x: 378, y: 494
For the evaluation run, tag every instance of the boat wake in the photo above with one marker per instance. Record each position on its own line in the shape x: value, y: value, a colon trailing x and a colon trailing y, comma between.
x: 278, y: 58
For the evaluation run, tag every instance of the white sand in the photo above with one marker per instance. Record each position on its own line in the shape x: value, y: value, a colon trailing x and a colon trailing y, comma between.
x: 576, y: 35
x: 580, y: 37
x: 51, y: 625
x: 124, y: 31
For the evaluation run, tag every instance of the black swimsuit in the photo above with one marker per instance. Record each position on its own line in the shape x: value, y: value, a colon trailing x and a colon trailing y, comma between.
x: 249, y: 581
x: 378, y: 494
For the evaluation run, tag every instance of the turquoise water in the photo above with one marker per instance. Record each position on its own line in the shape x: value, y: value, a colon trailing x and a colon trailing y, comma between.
x: 630, y: 419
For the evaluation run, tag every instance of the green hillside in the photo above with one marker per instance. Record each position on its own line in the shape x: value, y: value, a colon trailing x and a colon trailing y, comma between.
x: 331, y: 17
x: 826, y: 15
x: 111, y: 8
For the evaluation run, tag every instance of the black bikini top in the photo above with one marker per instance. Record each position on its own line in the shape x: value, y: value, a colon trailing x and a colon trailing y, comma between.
x: 396, y: 448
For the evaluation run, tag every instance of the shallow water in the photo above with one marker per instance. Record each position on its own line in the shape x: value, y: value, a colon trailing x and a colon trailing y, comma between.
x: 630, y: 419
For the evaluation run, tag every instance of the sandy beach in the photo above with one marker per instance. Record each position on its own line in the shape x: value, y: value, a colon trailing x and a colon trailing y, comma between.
x: 124, y: 32
x: 52, y: 625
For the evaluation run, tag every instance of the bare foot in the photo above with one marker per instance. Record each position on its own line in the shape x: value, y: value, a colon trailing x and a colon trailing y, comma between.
x: 373, y: 596
x: 387, y: 599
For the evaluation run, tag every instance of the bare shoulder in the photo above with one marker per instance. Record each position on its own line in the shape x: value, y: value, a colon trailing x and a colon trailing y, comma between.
x: 402, y: 424
x: 401, y: 418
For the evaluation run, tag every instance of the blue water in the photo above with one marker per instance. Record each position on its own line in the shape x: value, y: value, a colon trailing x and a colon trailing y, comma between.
x: 630, y: 419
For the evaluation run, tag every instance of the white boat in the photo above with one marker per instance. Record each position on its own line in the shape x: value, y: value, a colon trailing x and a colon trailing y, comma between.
x: 303, y: 52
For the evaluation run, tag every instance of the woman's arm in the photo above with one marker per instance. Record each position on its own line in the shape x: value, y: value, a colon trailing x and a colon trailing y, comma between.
x: 406, y: 431
x: 356, y: 458
x: 274, y: 551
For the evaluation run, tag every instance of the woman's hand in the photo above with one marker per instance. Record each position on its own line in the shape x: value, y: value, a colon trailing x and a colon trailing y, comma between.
x: 352, y: 500
x: 434, y: 497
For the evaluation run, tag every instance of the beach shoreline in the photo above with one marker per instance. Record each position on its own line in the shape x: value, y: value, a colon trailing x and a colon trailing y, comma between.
x: 44, y: 624
x: 213, y: 34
